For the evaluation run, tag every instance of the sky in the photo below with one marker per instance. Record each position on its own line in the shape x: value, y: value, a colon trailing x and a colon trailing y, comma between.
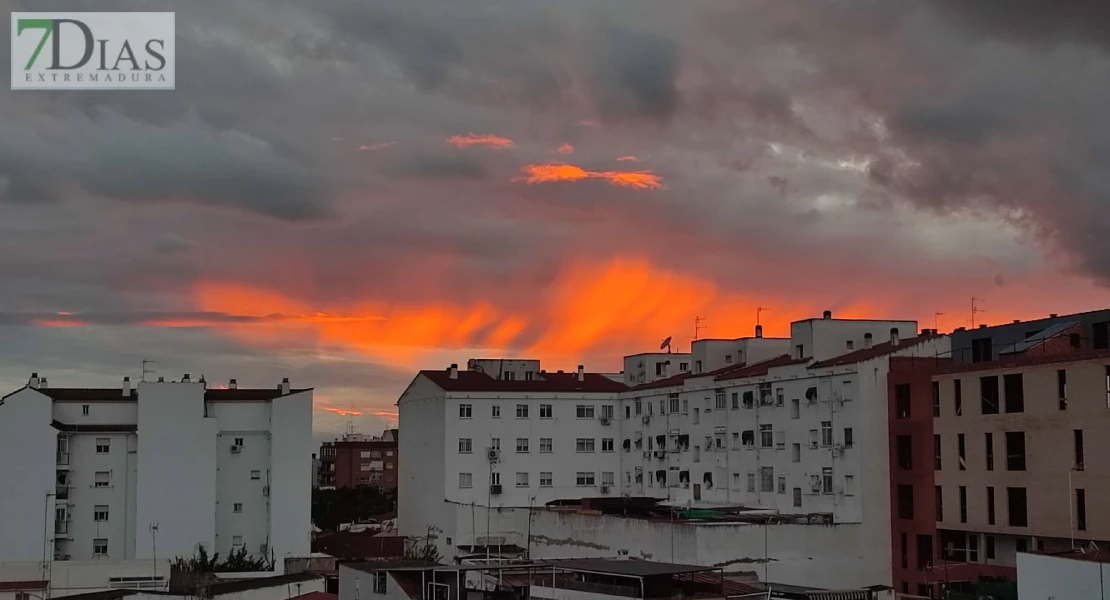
x: 343, y: 192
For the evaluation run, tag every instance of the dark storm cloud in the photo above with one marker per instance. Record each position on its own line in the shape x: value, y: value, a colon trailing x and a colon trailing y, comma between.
x: 634, y: 75
x: 443, y: 165
x: 1034, y: 20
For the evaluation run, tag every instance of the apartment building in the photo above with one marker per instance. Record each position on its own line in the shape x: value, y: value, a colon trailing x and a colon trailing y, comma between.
x: 154, y: 471
x: 360, y: 460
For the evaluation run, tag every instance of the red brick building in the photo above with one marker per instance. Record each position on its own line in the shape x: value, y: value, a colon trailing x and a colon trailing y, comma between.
x: 359, y: 460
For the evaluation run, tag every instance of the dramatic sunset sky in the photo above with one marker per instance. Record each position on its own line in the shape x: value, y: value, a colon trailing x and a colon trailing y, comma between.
x: 345, y: 191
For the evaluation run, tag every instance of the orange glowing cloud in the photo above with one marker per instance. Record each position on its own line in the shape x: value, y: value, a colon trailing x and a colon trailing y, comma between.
x: 373, y: 147
x: 565, y: 149
x: 472, y: 139
x: 343, y: 412
x: 60, y: 322
x: 548, y: 173
x: 627, y: 159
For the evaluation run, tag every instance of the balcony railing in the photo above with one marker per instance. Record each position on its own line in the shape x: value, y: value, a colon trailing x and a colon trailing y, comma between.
x: 62, y: 492
x: 61, y: 527
x: 63, y: 458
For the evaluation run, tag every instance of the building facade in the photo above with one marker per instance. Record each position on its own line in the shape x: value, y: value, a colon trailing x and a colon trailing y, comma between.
x: 155, y: 471
x: 359, y: 460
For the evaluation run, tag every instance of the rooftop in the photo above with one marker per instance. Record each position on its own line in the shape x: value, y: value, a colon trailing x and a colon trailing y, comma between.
x: 627, y: 567
x: 873, y: 352
x: 473, y: 381
x: 116, y: 394
x: 243, y: 585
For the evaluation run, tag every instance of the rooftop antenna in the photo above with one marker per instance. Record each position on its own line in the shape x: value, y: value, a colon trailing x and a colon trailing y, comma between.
x: 975, y: 309
x: 698, y: 326
x: 350, y: 419
x: 666, y: 345
x: 936, y: 320
x: 758, y: 311
x: 146, y: 370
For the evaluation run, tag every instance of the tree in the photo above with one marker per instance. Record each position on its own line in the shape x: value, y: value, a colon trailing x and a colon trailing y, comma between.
x: 332, y: 507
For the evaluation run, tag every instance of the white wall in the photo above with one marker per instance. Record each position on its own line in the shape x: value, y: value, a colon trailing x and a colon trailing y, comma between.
x: 124, y: 412
x: 359, y: 585
x: 290, y: 498
x: 27, y: 475
x: 121, y: 465
x: 281, y: 592
x: 641, y: 368
x: 1043, y: 577
x: 79, y: 577
x: 251, y: 524
x: 177, y: 460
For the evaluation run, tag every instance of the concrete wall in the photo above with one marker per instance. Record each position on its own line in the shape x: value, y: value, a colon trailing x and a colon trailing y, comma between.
x: 359, y: 585
x: 422, y: 475
x: 27, y: 475
x: 79, y: 577
x: 291, y: 458
x: 641, y: 368
x: 84, y: 497
x: 1054, y: 578
x: 281, y: 592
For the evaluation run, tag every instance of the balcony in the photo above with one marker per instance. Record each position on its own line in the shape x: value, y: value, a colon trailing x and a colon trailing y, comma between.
x: 62, y: 459
x: 62, y: 492
x: 61, y: 528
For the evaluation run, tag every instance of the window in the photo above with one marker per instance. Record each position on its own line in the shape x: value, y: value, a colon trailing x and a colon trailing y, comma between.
x: 100, y: 513
x: 849, y: 485
x: 799, y: 351
x: 1101, y: 335
x: 379, y: 582
x: 627, y: 411
x: 826, y: 433
x: 1016, y: 503
x: 766, y: 479
x: 989, y: 546
x: 529, y: 375
x: 988, y: 388
x: 639, y: 407
x: 798, y: 497
x: 796, y: 453
x: 973, y: 547
x: 1078, y: 439
x: 522, y: 445
x: 989, y: 440
x: 238, y: 442
x: 961, y: 448
x: 1081, y: 510
x: 938, y: 498
x: 719, y: 399
x: 981, y: 350
x: 904, y: 448
x: 545, y: 479
x: 1014, y: 387
x: 795, y: 408
x: 990, y: 506
x: 780, y: 400
x: 1062, y: 388
x: 608, y: 478
x: 495, y: 478
x: 963, y: 504
x: 751, y: 482
x: 495, y: 411
x: 904, y: 550
x: 256, y: 474
x: 826, y: 480
x: 102, y: 479
x: 672, y: 399
x: 236, y: 541
x: 495, y: 443
x: 584, y: 445
x: 607, y: 411
x: 936, y: 453
x: 584, y: 411
x: 606, y: 444
x: 1015, y: 450
x: 237, y: 507
x: 521, y: 479
x: 465, y: 411
x: 102, y: 445
x: 660, y: 369
x: 466, y: 446
x: 683, y: 367
x: 728, y: 359
x: 735, y: 400
x: 905, y: 501
x: 697, y: 366
x: 546, y: 412
x: 958, y: 397
x: 902, y: 401
x: 545, y: 445
x: 364, y: 454
x: 522, y: 411
x: 85, y: 409
x: 782, y: 485
x: 466, y: 480
x: 510, y: 376
x: 813, y: 437
x: 584, y: 479
x: 936, y: 398
x: 1021, y: 545
x: 100, y: 547
x: 924, y: 556
x: 749, y: 399
x: 766, y: 436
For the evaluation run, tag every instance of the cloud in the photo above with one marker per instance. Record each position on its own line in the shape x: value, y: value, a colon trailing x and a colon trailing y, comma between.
x: 565, y: 149
x: 549, y: 173
x: 489, y: 141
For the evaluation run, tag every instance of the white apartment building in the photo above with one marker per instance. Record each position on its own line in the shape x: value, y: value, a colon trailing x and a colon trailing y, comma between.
x: 154, y: 472
x: 793, y: 425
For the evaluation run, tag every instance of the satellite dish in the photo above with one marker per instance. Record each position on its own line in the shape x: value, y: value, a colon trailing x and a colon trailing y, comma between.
x: 666, y: 345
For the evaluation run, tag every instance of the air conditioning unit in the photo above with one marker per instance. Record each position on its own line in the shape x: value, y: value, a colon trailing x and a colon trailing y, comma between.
x: 495, y: 489
x: 647, y: 454
x: 604, y: 489
x: 836, y: 451
x: 604, y: 420
x: 815, y: 488
x: 646, y: 419
x: 493, y: 454
x: 236, y: 449
x: 813, y: 444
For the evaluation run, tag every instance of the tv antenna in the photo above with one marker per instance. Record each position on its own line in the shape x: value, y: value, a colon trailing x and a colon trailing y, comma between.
x: 666, y: 345
x: 698, y: 326
x: 146, y: 370
x: 936, y: 320
x: 759, y: 311
x: 975, y: 309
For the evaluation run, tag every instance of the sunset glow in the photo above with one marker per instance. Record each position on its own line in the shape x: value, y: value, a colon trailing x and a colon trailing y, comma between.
x: 548, y: 173
x: 473, y: 139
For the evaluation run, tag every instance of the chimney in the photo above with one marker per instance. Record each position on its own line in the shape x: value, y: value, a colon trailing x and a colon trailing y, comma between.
x: 1017, y: 320
x: 758, y: 331
x: 233, y: 385
x: 33, y: 382
x: 581, y: 373
x: 42, y: 384
x: 867, y: 340
x: 827, y: 315
x: 982, y: 326
x: 126, y: 387
x: 893, y: 336
x: 453, y: 371
x: 185, y: 379
x: 161, y: 380
x: 284, y: 386
x: 1052, y: 315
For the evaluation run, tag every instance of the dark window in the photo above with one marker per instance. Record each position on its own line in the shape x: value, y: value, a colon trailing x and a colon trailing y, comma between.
x: 958, y: 395
x: 1021, y: 545
x: 990, y: 506
x: 981, y: 350
x: 990, y: 451
x: 1078, y: 449
x: 962, y: 449
x: 1062, y: 388
x: 973, y: 547
x: 936, y: 398
x: 924, y: 590
x: 939, y: 501
x: 905, y: 551
x: 988, y: 387
x: 990, y: 546
x: 924, y: 550
x: 905, y: 501
x: 1016, y: 507
x: 1015, y: 393
x: 1075, y: 340
x: 1102, y: 335
x: 963, y: 504
x: 1081, y: 510
x: 849, y: 437
x: 936, y: 452
x: 905, y: 452
x: 1015, y: 450
x: 902, y: 401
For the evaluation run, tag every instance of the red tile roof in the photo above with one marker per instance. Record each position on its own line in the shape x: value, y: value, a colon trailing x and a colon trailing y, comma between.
x: 760, y: 368
x: 116, y: 394
x: 665, y: 382
x: 12, y: 586
x: 873, y: 352
x: 248, y: 394
x: 473, y: 381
